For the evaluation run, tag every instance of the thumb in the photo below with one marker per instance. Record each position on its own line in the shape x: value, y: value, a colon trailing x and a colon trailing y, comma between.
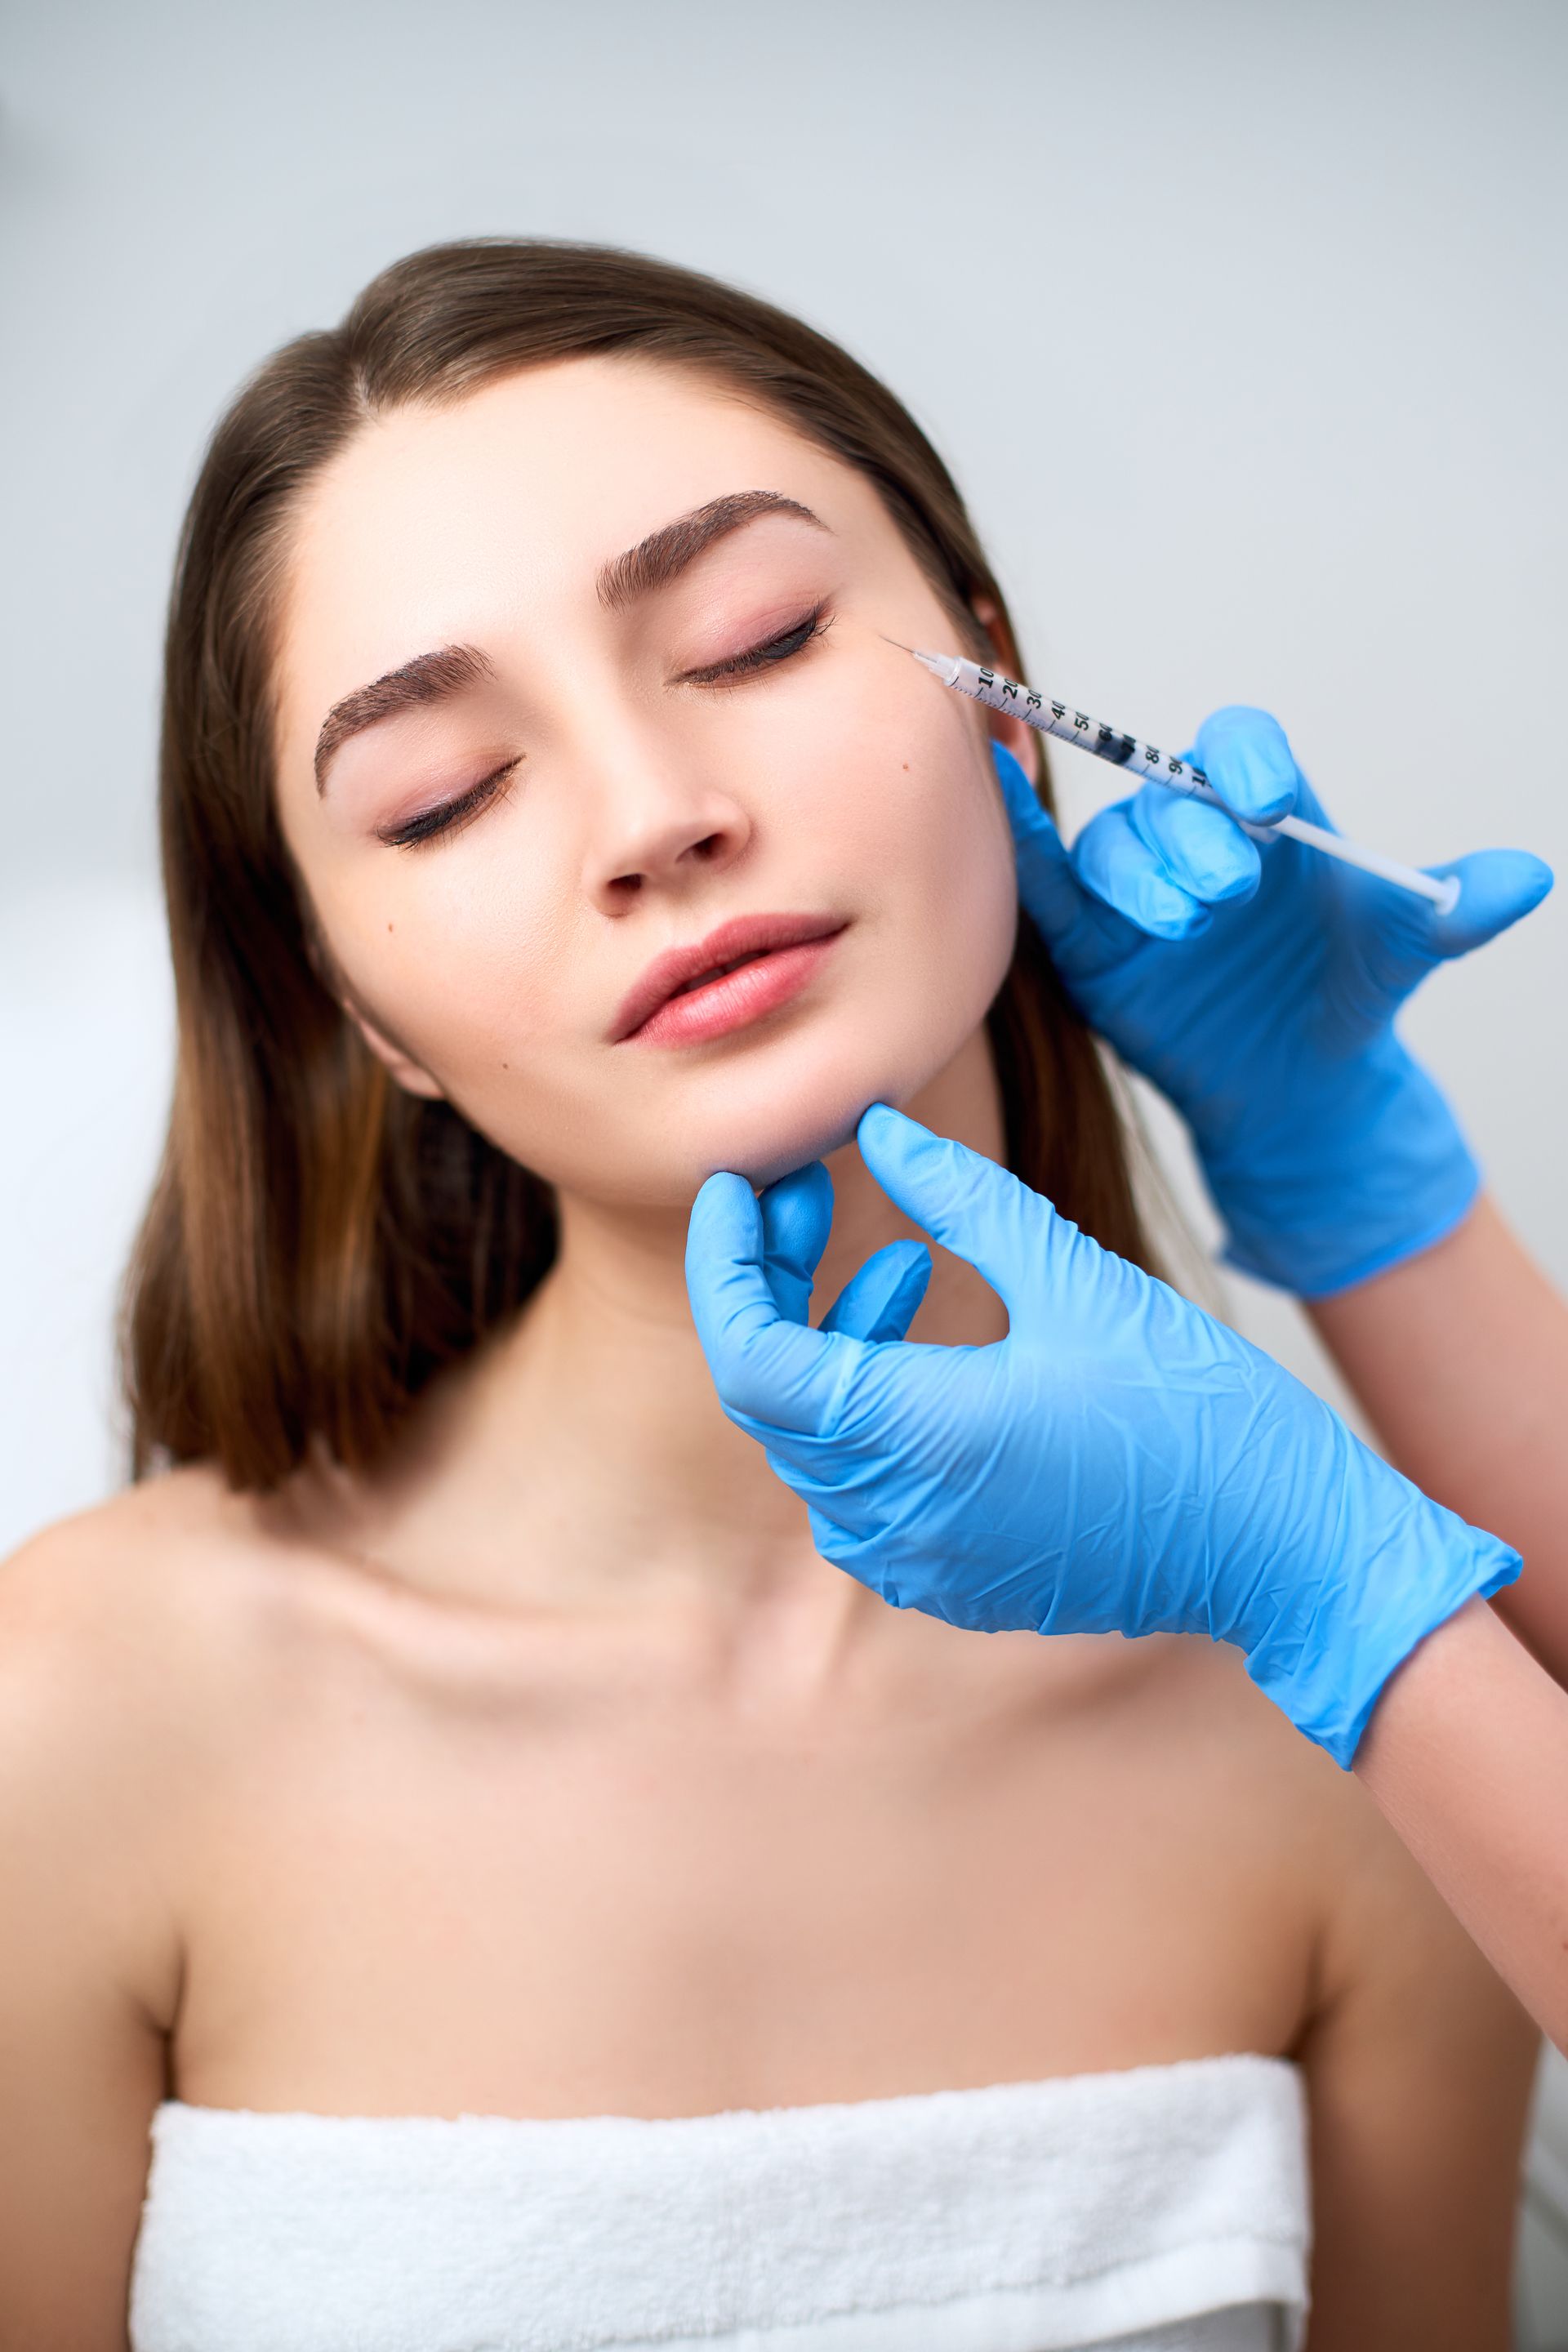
x: 964, y: 1200
x: 1497, y: 887
x: 764, y: 1367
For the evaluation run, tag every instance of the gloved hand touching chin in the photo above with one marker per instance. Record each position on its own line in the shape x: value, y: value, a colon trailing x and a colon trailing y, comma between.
x: 1258, y: 988
x: 1120, y: 1463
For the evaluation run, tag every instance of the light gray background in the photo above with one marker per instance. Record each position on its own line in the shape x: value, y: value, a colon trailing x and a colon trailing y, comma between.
x: 1242, y: 326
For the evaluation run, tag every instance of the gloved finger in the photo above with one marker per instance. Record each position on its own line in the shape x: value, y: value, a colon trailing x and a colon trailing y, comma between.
x: 764, y: 1367
x: 1245, y: 757
x: 1204, y: 850
x: 1113, y: 860
x: 879, y: 1301
x: 1306, y: 805
x: 977, y: 1210
x: 1497, y: 887
x: 797, y: 1217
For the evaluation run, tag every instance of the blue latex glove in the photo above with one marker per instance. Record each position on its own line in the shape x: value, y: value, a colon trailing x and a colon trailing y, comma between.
x: 1120, y: 1463
x: 1258, y: 989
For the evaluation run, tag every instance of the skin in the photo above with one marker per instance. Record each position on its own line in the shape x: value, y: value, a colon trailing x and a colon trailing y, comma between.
x: 1468, y: 1757
x: 551, y: 1771
x: 1460, y: 1359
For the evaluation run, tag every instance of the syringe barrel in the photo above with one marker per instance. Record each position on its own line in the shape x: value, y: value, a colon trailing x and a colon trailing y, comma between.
x: 1058, y: 718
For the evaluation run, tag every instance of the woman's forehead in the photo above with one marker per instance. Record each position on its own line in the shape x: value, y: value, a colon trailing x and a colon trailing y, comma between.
x: 566, y: 464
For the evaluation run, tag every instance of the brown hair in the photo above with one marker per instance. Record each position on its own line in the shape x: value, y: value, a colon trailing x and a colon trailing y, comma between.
x: 319, y: 1242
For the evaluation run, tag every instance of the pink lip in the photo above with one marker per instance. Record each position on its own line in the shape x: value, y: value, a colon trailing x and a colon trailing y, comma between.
x: 774, y: 956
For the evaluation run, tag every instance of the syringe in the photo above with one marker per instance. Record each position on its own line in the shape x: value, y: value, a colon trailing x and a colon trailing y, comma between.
x: 983, y: 685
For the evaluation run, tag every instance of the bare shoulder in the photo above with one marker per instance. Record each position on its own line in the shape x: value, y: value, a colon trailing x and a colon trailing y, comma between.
x: 121, y: 1627
x: 106, y: 1715
x: 132, y: 1588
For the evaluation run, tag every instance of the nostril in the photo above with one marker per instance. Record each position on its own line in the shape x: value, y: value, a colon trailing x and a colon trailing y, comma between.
x: 709, y: 846
x: 630, y: 884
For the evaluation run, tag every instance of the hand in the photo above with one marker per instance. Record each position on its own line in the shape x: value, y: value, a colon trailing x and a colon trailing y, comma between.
x: 1120, y: 1463
x: 1256, y: 986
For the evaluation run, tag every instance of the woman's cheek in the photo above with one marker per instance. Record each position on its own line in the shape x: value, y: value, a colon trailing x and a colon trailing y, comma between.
x: 475, y: 1012
x: 957, y: 840
x: 883, y: 799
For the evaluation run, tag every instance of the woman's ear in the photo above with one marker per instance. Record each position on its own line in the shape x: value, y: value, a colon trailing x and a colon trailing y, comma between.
x: 1022, y: 741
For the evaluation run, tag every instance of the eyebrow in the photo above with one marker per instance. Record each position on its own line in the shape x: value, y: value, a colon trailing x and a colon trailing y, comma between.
x: 428, y: 677
x: 452, y: 670
x: 658, y: 559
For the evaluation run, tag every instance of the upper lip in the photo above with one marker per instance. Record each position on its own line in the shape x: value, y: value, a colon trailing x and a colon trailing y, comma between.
x: 732, y: 942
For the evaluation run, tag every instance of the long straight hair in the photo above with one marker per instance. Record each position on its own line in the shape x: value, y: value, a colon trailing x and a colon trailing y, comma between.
x: 319, y: 1243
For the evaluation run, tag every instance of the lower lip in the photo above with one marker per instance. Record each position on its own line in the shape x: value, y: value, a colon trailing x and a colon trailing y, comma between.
x: 737, y: 998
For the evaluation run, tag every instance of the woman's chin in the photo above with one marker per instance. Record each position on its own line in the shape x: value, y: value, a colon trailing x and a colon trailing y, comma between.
x: 763, y: 1150
x: 766, y: 1166
x: 763, y: 1131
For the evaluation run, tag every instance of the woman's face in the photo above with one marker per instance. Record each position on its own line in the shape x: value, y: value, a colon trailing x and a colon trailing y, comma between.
x: 592, y: 667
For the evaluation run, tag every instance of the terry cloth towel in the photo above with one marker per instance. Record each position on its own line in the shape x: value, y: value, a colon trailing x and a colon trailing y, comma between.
x: 1165, y: 2207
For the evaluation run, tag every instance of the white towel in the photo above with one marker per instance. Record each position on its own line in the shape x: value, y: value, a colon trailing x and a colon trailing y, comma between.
x: 1020, y: 2217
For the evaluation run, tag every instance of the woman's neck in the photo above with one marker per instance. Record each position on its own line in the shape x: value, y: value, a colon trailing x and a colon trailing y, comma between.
x: 581, y: 1461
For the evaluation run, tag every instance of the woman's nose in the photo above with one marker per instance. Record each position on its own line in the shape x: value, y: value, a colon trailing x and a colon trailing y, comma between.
x: 661, y: 830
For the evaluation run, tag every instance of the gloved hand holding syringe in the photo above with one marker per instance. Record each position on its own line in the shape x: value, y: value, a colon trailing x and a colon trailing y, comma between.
x: 1175, y: 770
x: 1257, y: 984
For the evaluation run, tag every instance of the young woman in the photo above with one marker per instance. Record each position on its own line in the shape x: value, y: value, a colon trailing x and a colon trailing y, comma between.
x: 483, y: 1879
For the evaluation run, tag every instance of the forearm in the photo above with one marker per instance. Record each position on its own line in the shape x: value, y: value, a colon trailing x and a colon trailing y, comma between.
x: 1459, y: 1357
x: 1466, y: 1756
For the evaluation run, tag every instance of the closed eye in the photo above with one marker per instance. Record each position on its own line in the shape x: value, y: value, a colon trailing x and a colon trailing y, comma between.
x: 451, y: 814
x: 783, y: 647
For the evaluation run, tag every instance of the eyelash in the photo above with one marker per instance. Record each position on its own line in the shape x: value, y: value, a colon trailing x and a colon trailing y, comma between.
x: 453, y: 815
x: 783, y: 647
